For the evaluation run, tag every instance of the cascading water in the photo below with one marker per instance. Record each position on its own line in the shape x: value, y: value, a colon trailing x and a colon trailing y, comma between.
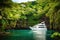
x: 39, y: 31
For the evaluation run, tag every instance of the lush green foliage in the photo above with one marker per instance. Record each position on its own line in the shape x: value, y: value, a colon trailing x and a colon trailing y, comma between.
x: 56, y: 36
x: 30, y: 12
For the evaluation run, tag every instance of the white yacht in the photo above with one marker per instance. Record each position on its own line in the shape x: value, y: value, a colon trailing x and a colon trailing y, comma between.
x: 40, y: 26
x: 39, y: 31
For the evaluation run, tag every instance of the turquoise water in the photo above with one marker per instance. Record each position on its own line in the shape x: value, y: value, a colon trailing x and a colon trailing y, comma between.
x: 24, y: 35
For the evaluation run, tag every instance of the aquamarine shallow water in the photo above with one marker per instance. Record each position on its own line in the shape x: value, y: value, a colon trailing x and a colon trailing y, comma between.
x: 25, y: 35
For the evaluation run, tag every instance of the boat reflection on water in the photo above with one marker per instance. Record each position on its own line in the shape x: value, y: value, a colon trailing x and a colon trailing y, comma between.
x: 39, y: 31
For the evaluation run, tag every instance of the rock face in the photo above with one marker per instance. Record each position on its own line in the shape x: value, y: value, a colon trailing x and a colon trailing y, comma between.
x: 47, y: 21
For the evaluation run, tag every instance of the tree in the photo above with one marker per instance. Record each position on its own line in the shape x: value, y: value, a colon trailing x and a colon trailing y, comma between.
x: 30, y: 11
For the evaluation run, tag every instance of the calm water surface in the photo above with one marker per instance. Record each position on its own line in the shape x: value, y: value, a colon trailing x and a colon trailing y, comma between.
x: 28, y: 35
